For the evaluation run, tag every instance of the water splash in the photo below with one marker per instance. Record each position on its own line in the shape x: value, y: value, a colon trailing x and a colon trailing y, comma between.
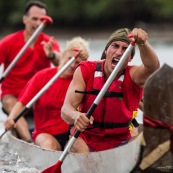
x: 13, y: 162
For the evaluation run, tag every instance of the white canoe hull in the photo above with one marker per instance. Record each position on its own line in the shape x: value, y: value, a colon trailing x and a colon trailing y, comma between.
x: 118, y: 160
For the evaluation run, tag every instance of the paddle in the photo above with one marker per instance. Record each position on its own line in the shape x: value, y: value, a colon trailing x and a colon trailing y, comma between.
x: 18, y: 56
x: 35, y: 98
x: 57, y: 167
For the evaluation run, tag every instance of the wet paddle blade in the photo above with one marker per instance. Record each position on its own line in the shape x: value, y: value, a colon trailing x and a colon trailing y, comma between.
x: 54, y: 169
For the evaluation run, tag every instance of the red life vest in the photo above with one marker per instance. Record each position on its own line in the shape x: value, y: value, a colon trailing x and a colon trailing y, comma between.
x: 111, y: 115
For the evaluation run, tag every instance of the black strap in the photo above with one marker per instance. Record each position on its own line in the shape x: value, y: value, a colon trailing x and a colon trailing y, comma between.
x: 107, y: 94
x: 98, y: 67
x: 106, y: 125
x: 135, y: 123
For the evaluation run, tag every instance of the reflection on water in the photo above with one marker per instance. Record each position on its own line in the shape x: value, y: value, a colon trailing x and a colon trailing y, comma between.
x: 13, y: 162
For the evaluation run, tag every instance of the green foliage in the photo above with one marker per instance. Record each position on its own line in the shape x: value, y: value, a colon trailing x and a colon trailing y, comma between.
x: 161, y: 8
x: 92, y: 12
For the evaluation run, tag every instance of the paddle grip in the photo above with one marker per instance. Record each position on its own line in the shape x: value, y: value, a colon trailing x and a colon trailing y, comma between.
x: 91, y: 110
x: 88, y: 115
x: 1, y: 79
x: 130, y: 35
x: 23, y: 112
x: 46, y: 19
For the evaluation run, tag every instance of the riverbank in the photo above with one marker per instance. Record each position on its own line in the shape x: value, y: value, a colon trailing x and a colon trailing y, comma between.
x: 155, y: 31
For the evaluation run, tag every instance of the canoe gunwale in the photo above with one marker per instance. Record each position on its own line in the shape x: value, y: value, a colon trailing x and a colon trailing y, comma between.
x: 80, y: 162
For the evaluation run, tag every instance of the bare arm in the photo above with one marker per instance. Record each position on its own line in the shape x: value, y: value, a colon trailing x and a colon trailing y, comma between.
x: 72, y: 101
x: 141, y: 106
x: 53, y: 55
x: 21, y: 125
x: 150, y: 62
x: 9, y: 123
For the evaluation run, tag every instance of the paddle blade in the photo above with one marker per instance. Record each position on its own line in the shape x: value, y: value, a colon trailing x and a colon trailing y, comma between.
x: 54, y: 169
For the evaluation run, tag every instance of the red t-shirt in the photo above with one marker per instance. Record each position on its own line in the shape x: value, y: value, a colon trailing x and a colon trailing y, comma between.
x: 47, y: 109
x: 32, y: 61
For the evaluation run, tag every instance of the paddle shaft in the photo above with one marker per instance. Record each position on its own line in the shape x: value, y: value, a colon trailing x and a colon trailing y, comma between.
x: 21, y: 52
x: 99, y: 97
x: 36, y: 97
